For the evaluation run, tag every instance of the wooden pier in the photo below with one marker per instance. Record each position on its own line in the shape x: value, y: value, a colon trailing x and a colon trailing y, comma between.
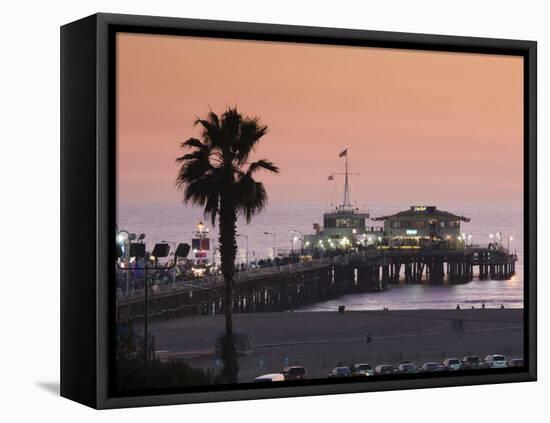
x: 282, y: 288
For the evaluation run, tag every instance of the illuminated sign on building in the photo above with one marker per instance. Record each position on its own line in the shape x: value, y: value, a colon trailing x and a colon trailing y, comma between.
x: 412, y: 232
x: 200, y: 244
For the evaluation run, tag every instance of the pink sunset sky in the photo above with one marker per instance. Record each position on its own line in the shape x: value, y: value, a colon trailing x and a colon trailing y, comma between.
x: 421, y: 127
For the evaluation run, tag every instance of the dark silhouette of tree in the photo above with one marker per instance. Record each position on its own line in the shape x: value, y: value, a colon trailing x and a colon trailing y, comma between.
x: 217, y: 175
x: 132, y: 372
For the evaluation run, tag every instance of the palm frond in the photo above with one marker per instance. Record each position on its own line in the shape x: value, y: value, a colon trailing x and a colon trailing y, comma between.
x: 251, y: 196
x: 195, y: 165
x: 193, y: 143
x: 211, y: 132
x: 262, y: 164
x: 195, y: 155
x: 251, y: 131
x: 213, y: 117
x: 230, y: 126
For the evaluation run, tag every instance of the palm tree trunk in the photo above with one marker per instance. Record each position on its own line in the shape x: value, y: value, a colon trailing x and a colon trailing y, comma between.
x: 228, y: 252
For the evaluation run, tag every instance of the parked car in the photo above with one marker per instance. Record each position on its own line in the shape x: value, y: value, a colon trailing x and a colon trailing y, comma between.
x: 384, y: 369
x: 452, y: 364
x: 406, y: 367
x: 294, y: 372
x: 432, y: 366
x: 271, y: 377
x: 362, y: 369
x: 516, y: 362
x: 496, y: 361
x: 340, y: 372
x: 472, y: 362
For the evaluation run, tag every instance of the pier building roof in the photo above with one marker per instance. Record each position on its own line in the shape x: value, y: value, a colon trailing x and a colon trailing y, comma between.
x: 424, y: 212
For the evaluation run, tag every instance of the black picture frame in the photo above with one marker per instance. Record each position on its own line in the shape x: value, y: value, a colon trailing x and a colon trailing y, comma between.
x: 88, y: 203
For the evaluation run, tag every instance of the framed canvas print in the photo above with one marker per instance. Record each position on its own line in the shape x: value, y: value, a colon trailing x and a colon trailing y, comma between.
x: 257, y: 211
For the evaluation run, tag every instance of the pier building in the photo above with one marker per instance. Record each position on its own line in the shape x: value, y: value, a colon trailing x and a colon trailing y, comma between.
x: 422, y: 223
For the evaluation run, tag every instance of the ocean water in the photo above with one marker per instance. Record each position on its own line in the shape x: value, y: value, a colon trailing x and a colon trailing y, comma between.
x: 176, y: 222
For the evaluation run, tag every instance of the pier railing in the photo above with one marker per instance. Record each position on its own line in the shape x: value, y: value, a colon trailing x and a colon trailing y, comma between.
x: 489, y: 260
x: 217, y: 281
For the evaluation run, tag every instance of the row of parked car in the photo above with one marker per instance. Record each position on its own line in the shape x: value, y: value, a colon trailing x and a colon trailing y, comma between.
x: 492, y: 361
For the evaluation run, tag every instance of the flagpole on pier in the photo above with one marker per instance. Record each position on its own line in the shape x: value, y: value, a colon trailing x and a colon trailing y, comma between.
x: 346, y: 183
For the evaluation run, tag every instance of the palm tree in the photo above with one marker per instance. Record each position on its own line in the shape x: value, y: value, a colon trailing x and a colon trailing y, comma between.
x: 217, y: 175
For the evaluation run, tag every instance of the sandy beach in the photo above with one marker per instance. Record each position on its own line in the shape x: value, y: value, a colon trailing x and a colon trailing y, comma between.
x: 322, y: 340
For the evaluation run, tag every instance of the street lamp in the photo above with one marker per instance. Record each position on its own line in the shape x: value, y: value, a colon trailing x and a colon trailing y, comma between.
x: 246, y: 252
x: 274, y: 243
x: 294, y: 239
x: 174, y: 243
x: 123, y: 237
x: 510, y: 238
x: 160, y: 250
